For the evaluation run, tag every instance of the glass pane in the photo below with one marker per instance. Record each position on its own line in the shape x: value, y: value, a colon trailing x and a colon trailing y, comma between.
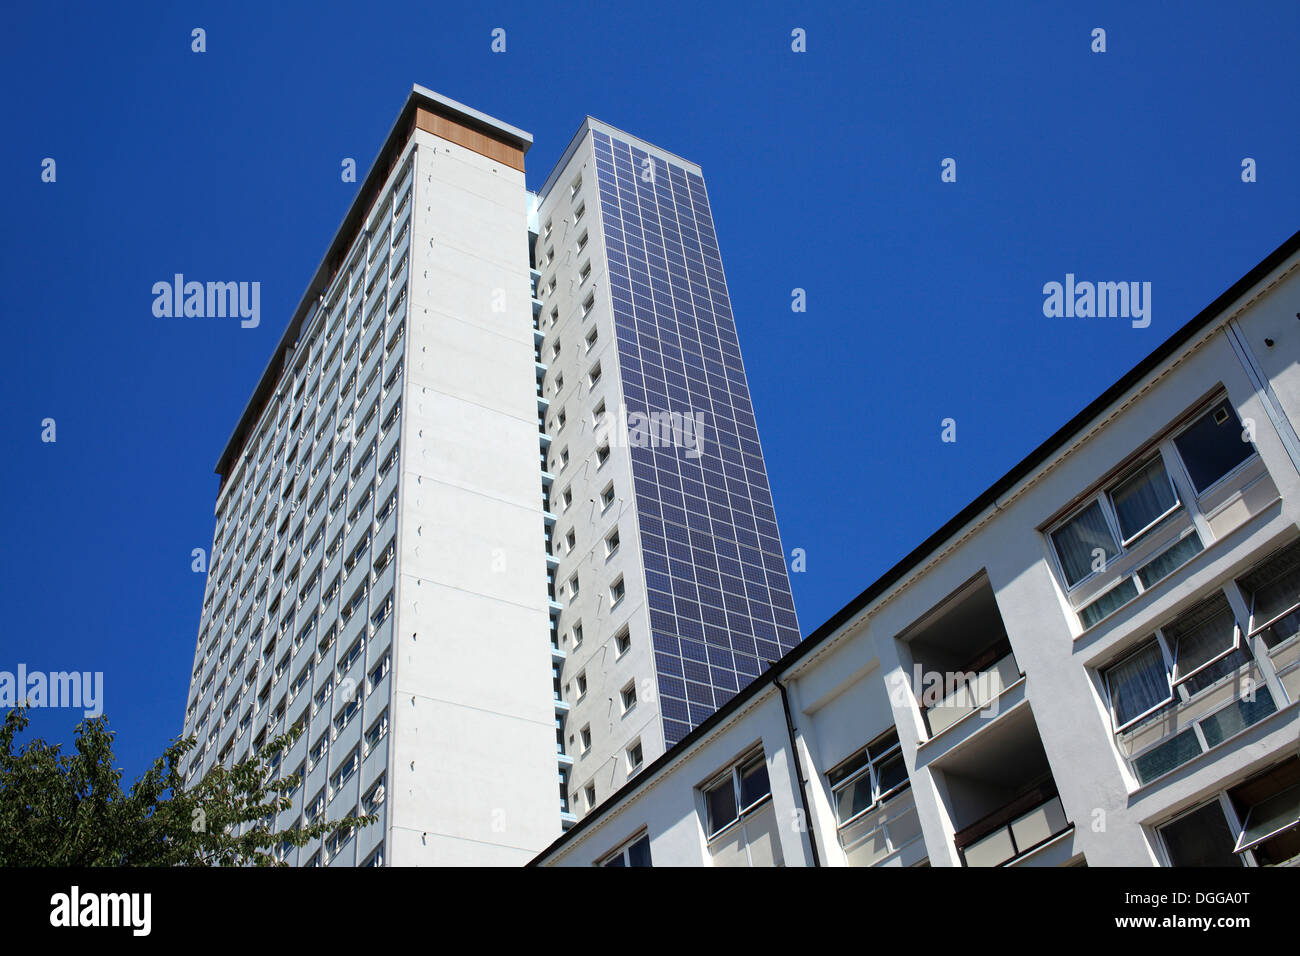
x: 1137, y: 684
x: 1142, y: 498
x: 1201, y: 635
x: 1201, y: 838
x: 638, y: 854
x: 848, y: 768
x: 616, y: 860
x: 1271, y: 815
x: 883, y: 744
x: 1236, y: 717
x: 1077, y: 541
x: 1170, y: 560
x: 722, y: 805
x: 1108, y: 603
x: 1213, y: 446
x: 753, y: 782
x: 892, y: 773
x: 1172, y: 753
x: 853, y: 798
x: 1277, y: 596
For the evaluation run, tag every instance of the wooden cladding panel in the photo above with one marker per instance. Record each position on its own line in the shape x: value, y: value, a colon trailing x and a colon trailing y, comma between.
x: 480, y: 143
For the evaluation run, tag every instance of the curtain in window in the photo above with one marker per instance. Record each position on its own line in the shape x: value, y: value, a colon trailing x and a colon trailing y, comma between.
x: 1076, y: 541
x: 1137, y: 684
x: 1142, y: 498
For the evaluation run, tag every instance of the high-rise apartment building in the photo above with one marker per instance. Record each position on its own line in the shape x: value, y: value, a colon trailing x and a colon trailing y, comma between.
x: 667, y: 561
x: 443, y: 561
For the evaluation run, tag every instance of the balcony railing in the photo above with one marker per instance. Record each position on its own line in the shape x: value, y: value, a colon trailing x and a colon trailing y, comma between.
x: 979, y: 682
x: 1011, y: 831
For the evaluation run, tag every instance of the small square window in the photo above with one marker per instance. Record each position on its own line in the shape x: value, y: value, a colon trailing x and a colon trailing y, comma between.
x: 623, y: 641
x: 582, y: 241
x: 555, y: 349
x: 616, y: 592
x: 566, y: 498
x: 590, y: 793
x: 571, y: 540
x: 635, y: 758
x: 586, y: 736
x: 560, y: 419
x: 577, y: 635
x: 564, y: 458
x: 573, y: 589
x: 611, y: 543
x: 594, y: 376
x: 592, y: 336
x: 584, y: 273
x: 602, y: 455
x: 588, y: 304
x: 629, y: 696
x: 579, y: 212
x: 607, y: 496
x: 577, y: 184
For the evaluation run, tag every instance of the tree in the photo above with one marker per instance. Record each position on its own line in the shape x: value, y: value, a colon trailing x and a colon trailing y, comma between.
x: 69, y: 810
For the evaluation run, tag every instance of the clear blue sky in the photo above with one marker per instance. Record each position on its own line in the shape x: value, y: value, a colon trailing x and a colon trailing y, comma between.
x: 924, y: 298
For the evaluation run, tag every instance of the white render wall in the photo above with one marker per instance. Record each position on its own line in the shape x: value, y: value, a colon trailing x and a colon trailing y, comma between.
x: 859, y: 682
x: 473, y: 776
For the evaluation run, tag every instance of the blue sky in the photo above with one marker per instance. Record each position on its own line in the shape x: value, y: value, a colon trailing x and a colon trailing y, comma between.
x: 924, y: 298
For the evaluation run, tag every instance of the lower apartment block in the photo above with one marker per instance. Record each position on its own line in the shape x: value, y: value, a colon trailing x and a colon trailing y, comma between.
x: 1095, y: 663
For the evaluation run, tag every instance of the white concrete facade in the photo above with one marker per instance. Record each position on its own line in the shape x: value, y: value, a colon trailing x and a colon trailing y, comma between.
x: 1024, y: 765
x: 399, y: 616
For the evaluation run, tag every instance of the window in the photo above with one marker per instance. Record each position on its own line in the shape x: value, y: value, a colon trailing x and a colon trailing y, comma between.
x: 629, y: 696
x: 588, y: 304
x: 611, y: 543
x: 602, y: 455
x: 636, y: 852
x: 1200, y: 838
x: 739, y: 820
x: 607, y: 496
x: 564, y: 458
x: 585, y: 272
x: 566, y: 498
x: 579, y: 212
x: 1185, y: 690
x: 590, y: 793
x: 1213, y: 445
x: 870, y: 777
x: 623, y: 641
x: 560, y: 419
x: 577, y: 184
x: 582, y: 241
x: 635, y: 758
x: 1272, y: 592
x: 1141, y: 527
x: 555, y: 349
x: 576, y: 635
x: 585, y: 735
x: 594, y: 376
x: 582, y: 689
x: 592, y: 337
x: 616, y: 592
x: 573, y: 586
x: 570, y: 540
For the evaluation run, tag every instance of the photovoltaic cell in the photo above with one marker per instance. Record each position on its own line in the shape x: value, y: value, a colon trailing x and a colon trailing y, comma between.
x: 719, y: 595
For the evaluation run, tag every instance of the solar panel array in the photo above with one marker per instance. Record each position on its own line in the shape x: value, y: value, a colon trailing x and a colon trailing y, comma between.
x: 718, y: 592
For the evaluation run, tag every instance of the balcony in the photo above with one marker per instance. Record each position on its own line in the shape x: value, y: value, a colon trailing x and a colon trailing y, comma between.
x: 1000, y: 793
x: 977, y: 684
x: 1024, y: 823
x: 961, y: 658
